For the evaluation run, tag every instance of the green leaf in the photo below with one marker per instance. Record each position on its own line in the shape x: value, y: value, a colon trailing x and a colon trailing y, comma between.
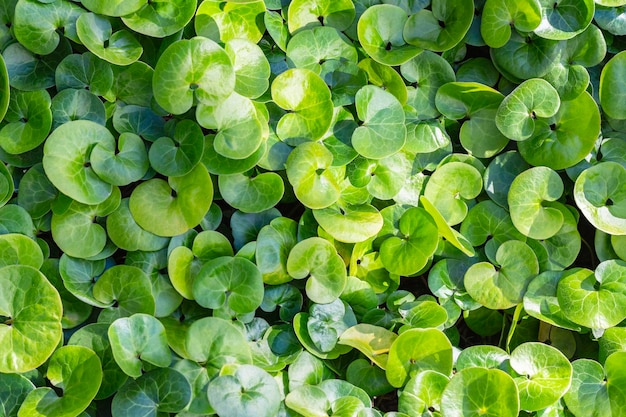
x: 564, y: 19
x: 480, y: 391
x: 382, y: 132
x: 544, y: 372
x: 600, y: 195
x: 441, y: 27
x: 177, y: 155
x: 611, y: 90
x: 451, y: 187
x: 216, y: 342
x: 594, y: 299
x: 500, y: 173
x: 532, y: 204
x: 114, y: 8
x: 380, y: 31
x: 309, y: 49
x: 187, y: 70
x: 27, y: 121
x: 224, y: 21
x: 422, y: 393
x: 350, y: 223
x: 485, y: 356
x: 136, y: 340
x: 161, y: 18
x: 162, y: 390
x: 248, y: 391
x: 71, y: 104
x: 125, y: 290
x: 567, y: 138
x: 534, y: 98
x: 525, y: 56
x: 311, y: 176
x: 76, y: 370
x: 588, y: 390
x: 67, y: 160
x: 96, y: 33
x: 273, y: 244
x: 503, y: 287
x: 308, y: 101
x: 125, y: 164
x: 373, y: 341
x: 36, y: 24
x: 232, y: 281
x: 309, y: 13
x: 31, y: 325
x: 86, y: 70
x: 18, y: 249
x: 182, y: 200
x: 252, y: 70
x: 94, y: 336
x: 75, y: 230
x: 498, y: 17
x: 316, y: 259
x: 14, y: 390
x: 251, y: 194
x: 418, y: 350
x: 415, y: 242
x: 541, y: 302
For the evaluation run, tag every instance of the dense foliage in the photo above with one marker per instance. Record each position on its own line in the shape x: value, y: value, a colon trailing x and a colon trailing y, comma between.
x: 348, y: 208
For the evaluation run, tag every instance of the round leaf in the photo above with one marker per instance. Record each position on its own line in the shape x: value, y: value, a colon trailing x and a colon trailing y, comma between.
x: 382, y: 132
x: 182, y: 200
x: 67, y: 164
x: 531, y: 198
x: 161, y: 18
x: 224, y: 21
x: 478, y: 392
x: 498, y: 17
x: 28, y: 121
x: 96, y: 33
x: 310, y: 13
x: 418, y: 350
x: 31, y: 324
x: 564, y: 19
x: 76, y: 370
x: 187, y: 70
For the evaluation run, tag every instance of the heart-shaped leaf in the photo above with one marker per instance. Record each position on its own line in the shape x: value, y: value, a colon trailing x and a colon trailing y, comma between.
x: 308, y: 13
x: 418, y: 350
x: 76, y: 370
x: 564, y: 19
x: 31, y: 322
x: 161, y: 18
x: 96, y: 33
x: 471, y: 392
x: 27, y: 121
x: 224, y: 21
x: 498, y: 17
x: 316, y: 259
x: 187, y: 70
x: 600, y: 195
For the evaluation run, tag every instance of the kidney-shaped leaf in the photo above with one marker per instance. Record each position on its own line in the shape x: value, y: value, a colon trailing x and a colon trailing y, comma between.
x: 248, y: 391
x: 19, y: 249
x: 30, y: 326
x: 314, y: 184
x: 183, y: 200
x: 223, y: 21
x: 441, y: 27
x: 192, y: 68
x: 232, y: 281
x: 601, y: 196
x: 306, y: 97
x: 13, y: 389
x: 251, y: 193
x: 137, y: 339
x: 418, y: 350
x: 422, y: 393
x: 161, y: 18
x: 317, y: 259
x: 416, y: 240
x: 480, y: 391
x: 545, y: 374
x: 498, y: 17
x: 27, y: 121
x: 564, y: 19
x: 612, y: 90
x: 534, y: 98
x: 307, y: 13
x: 310, y: 48
x: 77, y: 371
x: 380, y: 31
x: 350, y: 223
x: 162, y: 390
x: 383, y: 132
x: 595, y: 300
x: 96, y: 33
x: 505, y: 286
x: 531, y: 202
x: 66, y: 160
